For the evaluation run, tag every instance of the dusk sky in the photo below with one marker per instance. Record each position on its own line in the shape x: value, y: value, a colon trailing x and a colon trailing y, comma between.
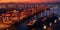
x: 29, y: 1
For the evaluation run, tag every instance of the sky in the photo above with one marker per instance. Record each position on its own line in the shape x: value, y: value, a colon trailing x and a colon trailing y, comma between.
x: 28, y: 1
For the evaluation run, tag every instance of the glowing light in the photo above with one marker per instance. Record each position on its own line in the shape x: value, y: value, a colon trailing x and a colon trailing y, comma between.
x: 23, y: 16
x: 34, y: 21
x: 15, y: 11
x: 50, y: 24
x: 55, y: 21
x: 44, y: 26
x: 7, y: 14
x: 59, y: 18
x: 7, y: 29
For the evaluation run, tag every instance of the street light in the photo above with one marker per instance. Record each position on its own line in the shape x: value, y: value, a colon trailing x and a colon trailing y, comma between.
x: 44, y: 27
x: 55, y: 21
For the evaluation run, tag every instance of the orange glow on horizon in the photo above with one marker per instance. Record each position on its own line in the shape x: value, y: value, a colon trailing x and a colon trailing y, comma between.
x: 27, y: 1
